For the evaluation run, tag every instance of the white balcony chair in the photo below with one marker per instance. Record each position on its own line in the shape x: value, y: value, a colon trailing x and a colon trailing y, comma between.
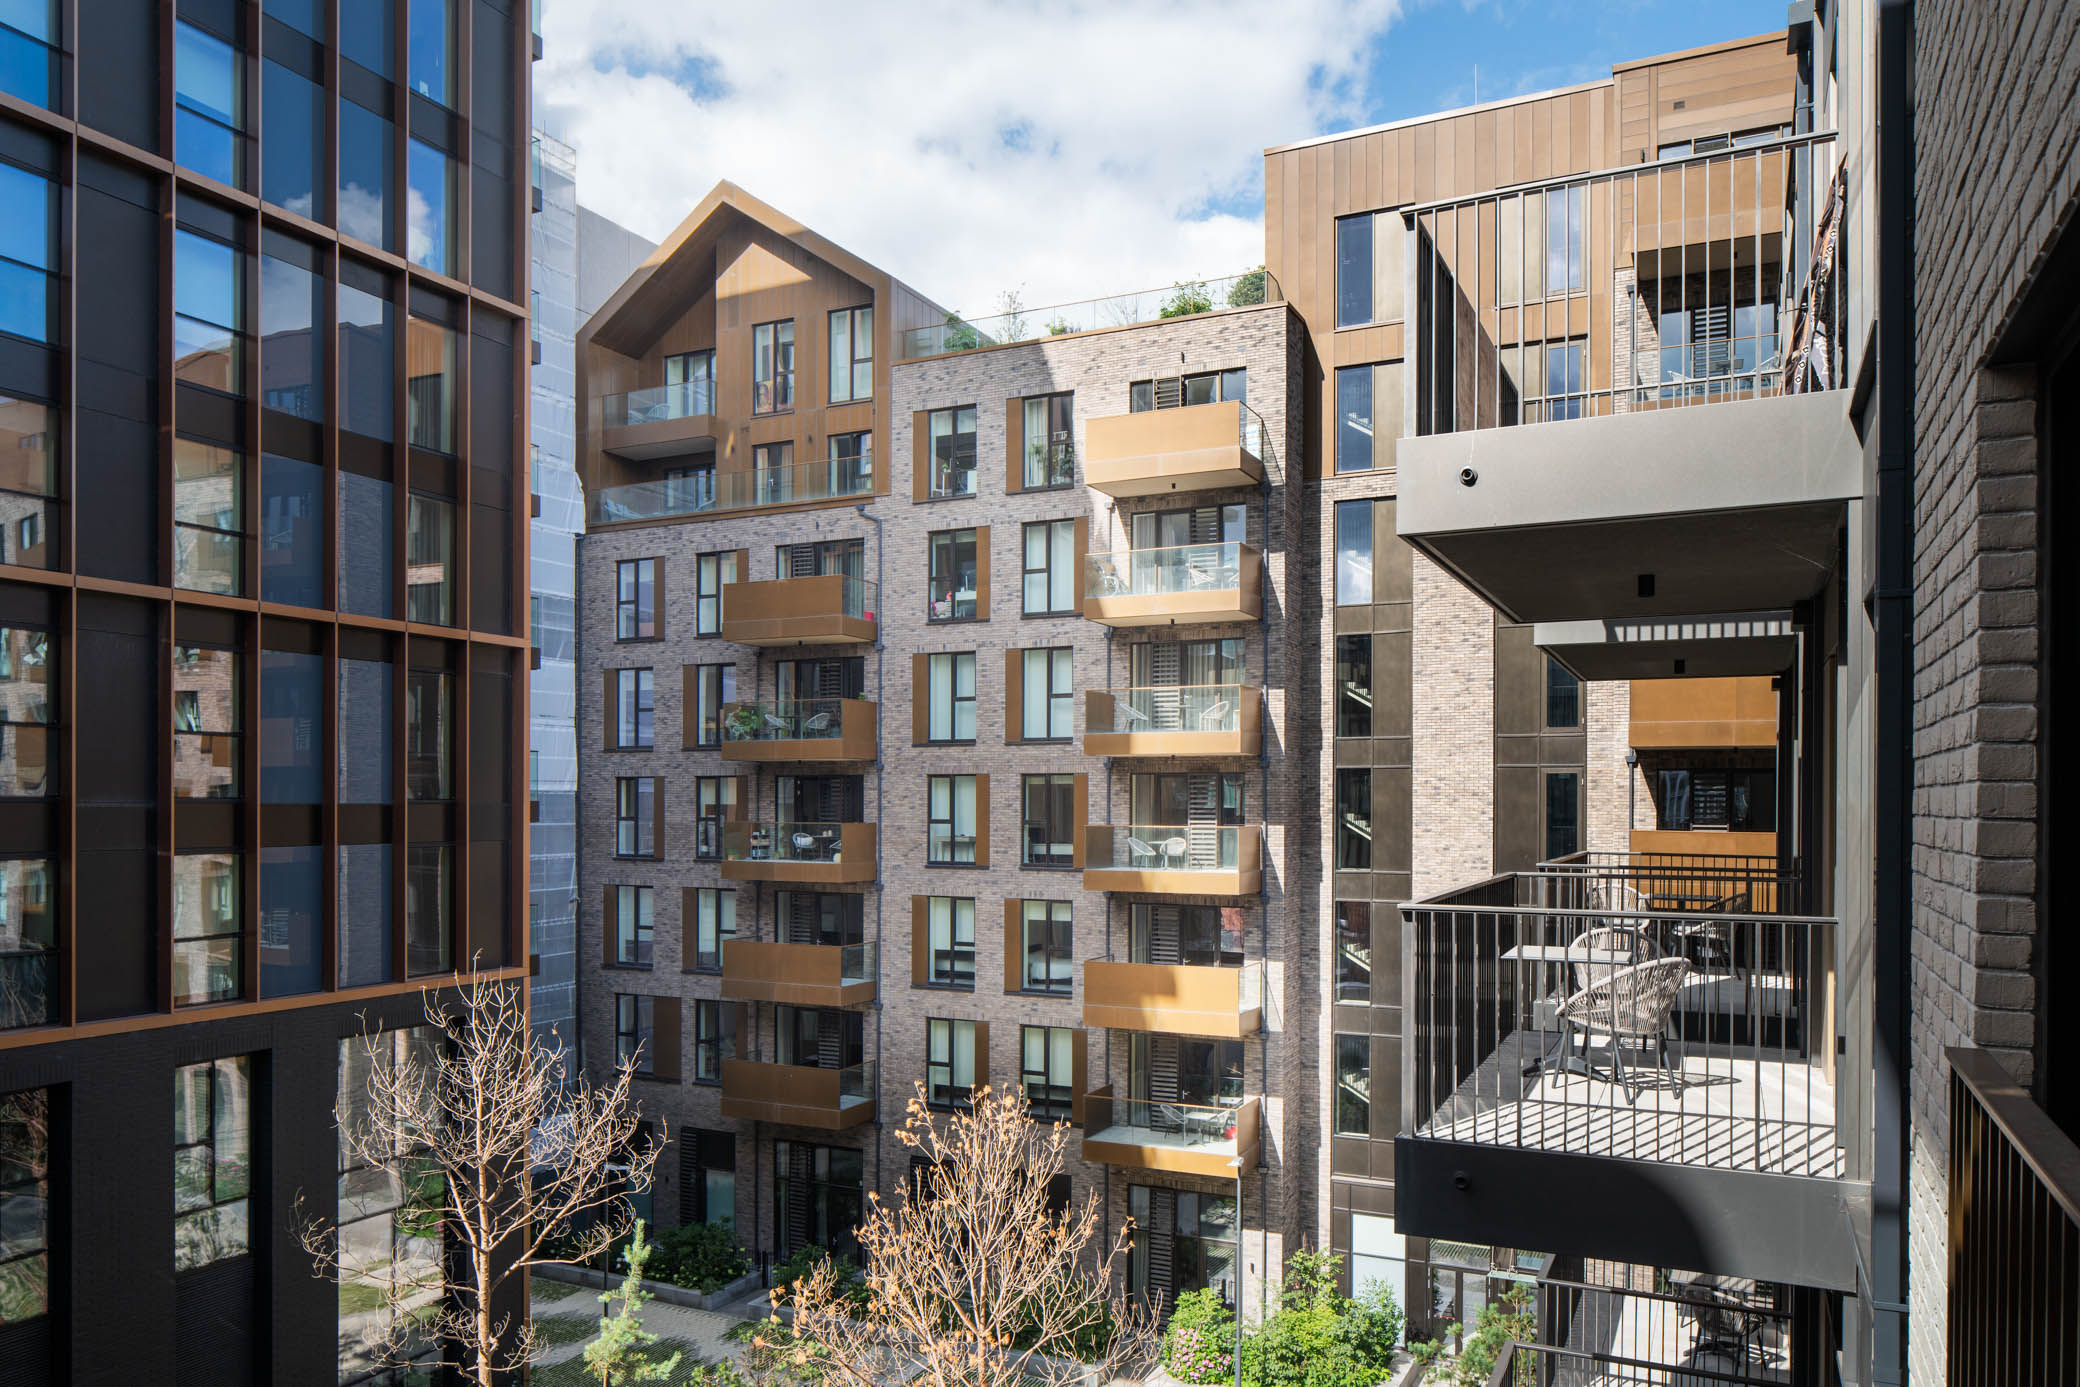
x: 1214, y: 716
x: 1176, y: 848
x: 776, y: 724
x: 803, y: 842
x: 1139, y: 851
x: 817, y: 725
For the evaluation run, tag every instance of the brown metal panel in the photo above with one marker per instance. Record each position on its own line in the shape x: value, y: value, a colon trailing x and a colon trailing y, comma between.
x: 1014, y: 695
x: 1079, y: 553
x: 920, y: 940
x: 920, y: 459
x: 1014, y: 444
x: 982, y: 821
x: 1079, y: 814
x: 608, y: 925
x: 666, y: 1036
x: 982, y: 573
x: 1014, y: 944
x: 920, y: 699
x: 1078, y: 1077
x: 981, y: 1054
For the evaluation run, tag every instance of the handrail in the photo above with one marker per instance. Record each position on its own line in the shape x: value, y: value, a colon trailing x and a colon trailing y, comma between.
x: 1185, y: 298
x: 2050, y: 1154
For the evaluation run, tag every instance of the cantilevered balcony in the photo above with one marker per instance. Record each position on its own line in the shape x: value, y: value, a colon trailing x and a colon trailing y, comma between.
x: 1655, y: 1034
x: 797, y: 1095
x: 1174, y: 859
x: 798, y: 854
x: 1173, y: 720
x: 814, y: 729
x: 1633, y: 407
x: 802, y: 975
x: 1181, y: 584
x: 1156, y: 452
x: 707, y: 492
x: 1181, y: 1138
x: 1174, y: 998
x: 826, y: 609
x: 662, y: 421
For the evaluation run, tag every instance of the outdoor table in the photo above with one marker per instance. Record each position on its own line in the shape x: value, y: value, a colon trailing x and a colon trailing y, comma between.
x: 1546, y: 1007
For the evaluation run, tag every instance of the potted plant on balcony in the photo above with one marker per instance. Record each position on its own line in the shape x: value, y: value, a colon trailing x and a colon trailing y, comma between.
x: 743, y: 723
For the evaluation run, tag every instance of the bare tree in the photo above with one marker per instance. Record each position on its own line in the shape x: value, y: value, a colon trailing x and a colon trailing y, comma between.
x: 972, y: 1280
x: 504, y: 1156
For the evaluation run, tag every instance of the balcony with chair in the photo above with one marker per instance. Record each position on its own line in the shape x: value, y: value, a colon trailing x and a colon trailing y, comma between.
x: 802, y: 975
x: 1662, y: 1029
x: 1174, y: 859
x: 798, y: 1095
x: 1174, y: 998
x: 1176, y: 585
x: 1174, y: 720
x: 1155, y: 452
x: 1645, y: 416
x: 662, y: 421
x: 804, y: 854
x: 1180, y: 1138
x: 816, y: 729
x: 822, y: 609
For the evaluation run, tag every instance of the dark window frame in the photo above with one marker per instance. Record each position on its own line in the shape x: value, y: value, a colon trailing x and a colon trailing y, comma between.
x: 635, y: 940
x: 1046, y: 569
x: 1049, y: 1097
x: 633, y: 613
x: 774, y: 393
x: 1055, y: 785
x: 953, y: 966
x: 635, y: 816
x: 642, y: 732
x: 1057, y: 931
x: 951, y: 823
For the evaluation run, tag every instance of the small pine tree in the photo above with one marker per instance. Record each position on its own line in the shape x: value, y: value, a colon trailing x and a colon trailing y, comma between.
x: 623, y: 1352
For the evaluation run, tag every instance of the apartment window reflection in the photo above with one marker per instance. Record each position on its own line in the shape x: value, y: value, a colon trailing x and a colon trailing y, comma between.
x: 635, y: 816
x: 292, y: 886
x: 431, y: 50
x: 208, y: 104
x: 710, y: 573
x: 208, y: 312
x: 292, y: 305
x: 1353, y: 553
x: 28, y: 472
x: 631, y: 925
x: 1047, y: 944
x: 430, y: 383
x: 429, y: 744
x: 208, y: 506
x: 368, y: 34
x: 1050, y: 442
x: 429, y: 559
x: 292, y: 529
x: 428, y: 889
x: 950, y: 435
x: 714, y: 1042
x: 26, y: 701
x: 950, y: 1062
x: 212, y: 1161
x: 635, y: 599
x: 1354, y: 686
x: 1354, y: 418
x: 1353, y: 1085
x: 292, y: 713
x: 634, y: 1033
x: 1354, y: 952
x: 1050, y: 700
x: 366, y: 713
x: 367, y: 352
x: 366, y: 545
x: 432, y: 203
x: 25, y: 1189
x: 1047, y: 1069
x: 951, y: 580
x: 1563, y: 813
x: 950, y: 941
x: 367, y: 170
x: 28, y: 50
x: 713, y: 686
x: 365, y: 913
x: 772, y: 367
x: 1354, y: 820
x: 293, y: 95
x: 28, y: 251
x: 208, y: 928
x: 206, y: 722
x: 950, y: 712
x: 714, y: 800
x: 1563, y: 695
x: 28, y: 943
x: 950, y: 819
x: 714, y: 920
x: 1050, y: 833
x: 1050, y: 568
x: 852, y: 354
x: 1353, y: 272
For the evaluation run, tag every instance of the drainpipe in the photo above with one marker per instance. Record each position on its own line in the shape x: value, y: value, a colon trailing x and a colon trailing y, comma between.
x: 880, y: 778
x: 1893, y: 620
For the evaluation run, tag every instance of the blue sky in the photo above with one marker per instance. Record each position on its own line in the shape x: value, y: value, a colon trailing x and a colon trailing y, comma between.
x: 1057, y: 149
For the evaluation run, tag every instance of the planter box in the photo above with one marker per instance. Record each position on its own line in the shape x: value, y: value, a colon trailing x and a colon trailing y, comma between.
x: 658, y: 1290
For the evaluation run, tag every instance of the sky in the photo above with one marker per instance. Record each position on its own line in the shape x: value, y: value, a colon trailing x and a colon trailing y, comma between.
x: 1055, y: 149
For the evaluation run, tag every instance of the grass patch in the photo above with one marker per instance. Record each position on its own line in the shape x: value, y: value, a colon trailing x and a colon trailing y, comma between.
x: 357, y: 1299
x: 558, y: 1330
x: 541, y: 1288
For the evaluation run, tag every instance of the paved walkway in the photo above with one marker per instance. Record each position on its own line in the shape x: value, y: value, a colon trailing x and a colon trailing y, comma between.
x: 569, y: 1316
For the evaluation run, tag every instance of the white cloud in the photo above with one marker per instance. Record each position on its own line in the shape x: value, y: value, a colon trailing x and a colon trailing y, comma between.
x: 966, y: 146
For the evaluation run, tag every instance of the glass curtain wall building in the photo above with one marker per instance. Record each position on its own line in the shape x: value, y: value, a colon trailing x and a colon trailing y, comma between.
x: 262, y: 640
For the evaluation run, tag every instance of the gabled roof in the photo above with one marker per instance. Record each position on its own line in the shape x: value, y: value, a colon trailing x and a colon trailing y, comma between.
x: 682, y: 268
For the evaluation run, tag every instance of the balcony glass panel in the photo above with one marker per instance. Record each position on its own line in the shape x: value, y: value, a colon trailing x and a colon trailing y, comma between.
x: 660, y: 403
x: 1185, y: 1126
x: 824, y: 479
x: 814, y: 719
x: 786, y: 842
x: 1174, y: 848
x: 1183, y: 568
x: 1176, y: 708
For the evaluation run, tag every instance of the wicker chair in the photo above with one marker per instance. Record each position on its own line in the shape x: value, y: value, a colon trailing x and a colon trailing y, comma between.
x: 1633, y: 1003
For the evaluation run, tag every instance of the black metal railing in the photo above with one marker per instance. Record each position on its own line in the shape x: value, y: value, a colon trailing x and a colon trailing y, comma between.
x: 1682, y: 1031
x: 2014, y: 1233
x: 1678, y: 880
x: 1678, y: 1325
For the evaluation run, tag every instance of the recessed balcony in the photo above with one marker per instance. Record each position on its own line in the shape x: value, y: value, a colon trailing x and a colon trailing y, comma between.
x: 1174, y: 720
x: 801, y: 975
x: 1180, y: 1138
x: 825, y: 609
x: 800, y: 854
x: 1158, y: 451
x: 798, y: 1095
x: 815, y: 729
x: 1174, y: 998
x: 662, y: 421
x: 1184, y: 584
x: 1174, y: 859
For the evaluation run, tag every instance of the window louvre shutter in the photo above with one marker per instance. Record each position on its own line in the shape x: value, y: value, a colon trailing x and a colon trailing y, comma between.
x: 920, y: 443
x: 665, y: 1036
x: 920, y: 941
x: 1014, y: 695
x: 1014, y: 945
x: 1014, y: 445
x: 920, y: 699
x: 982, y: 573
x: 982, y: 821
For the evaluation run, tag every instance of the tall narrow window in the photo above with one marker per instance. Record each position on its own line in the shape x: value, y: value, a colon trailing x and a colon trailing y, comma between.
x: 635, y: 1033
x: 1047, y: 1067
x: 632, y: 922
x: 1050, y: 442
x: 208, y: 104
x: 367, y: 359
x: 429, y: 734
x: 1564, y: 242
x: 432, y: 180
x: 689, y: 384
x: 950, y: 937
x: 950, y: 435
x: 28, y: 252
x: 28, y: 947
x: 208, y: 929
x: 1048, y: 947
x: 206, y: 722
x: 714, y: 923
x: 389, y: 1204
x: 950, y: 819
x: 949, y: 1062
x: 25, y: 1181
x: 431, y: 50
x: 209, y: 318
x: 1050, y: 700
x: 710, y: 573
x: 1354, y: 686
x: 212, y: 1161
x: 772, y: 367
x: 1353, y: 553
x: 1354, y: 271
x: 635, y: 816
x: 27, y: 696
x: 29, y: 53
x: 1050, y: 830
x: 1354, y: 820
x: 714, y: 800
x: 431, y: 381
x: 852, y: 354
x: 951, y: 591
x: 714, y: 1040
x: 1354, y: 418
x: 291, y: 308
x: 630, y: 717
x: 428, y: 898
x: 635, y: 599
x: 1050, y: 568
x: 1353, y: 1085
x: 951, y: 707
x: 1563, y: 695
x: 1354, y: 952
x: 713, y: 686
x: 1563, y: 813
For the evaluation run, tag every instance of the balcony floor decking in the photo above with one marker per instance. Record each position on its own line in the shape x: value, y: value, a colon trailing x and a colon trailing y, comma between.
x: 1656, y: 1331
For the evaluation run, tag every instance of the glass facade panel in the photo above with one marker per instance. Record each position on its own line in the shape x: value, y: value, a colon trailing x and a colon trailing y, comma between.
x: 208, y: 946
x: 25, y: 1216
x: 428, y: 893
x: 365, y: 914
x: 367, y: 690
x: 25, y: 712
x: 1353, y: 271
x: 208, y: 105
x: 291, y: 159
x: 292, y: 727
x: 432, y: 204
x: 429, y: 736
x: 292, y: 912
x: 28, y: 946
x: 367, y: 358
x: 212, y: 1161
x: 292, y: 532
x: 430, y: 352
x: 367, y: 546
x: 429, y: 560
x: 367, y: 173
x: 292, y: 362
x: 28, y: 49
x: 1354, y: 686
x: 28, y: 251
x: 1354, y: 418
x: 1353, y: 553
x: 432, y: 50
x: 368, y: 34
x: 208, y: 510
x: 207, y: 722
x: 208, y: 312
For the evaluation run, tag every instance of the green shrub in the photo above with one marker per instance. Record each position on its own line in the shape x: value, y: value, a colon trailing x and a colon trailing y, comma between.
x: 1186, y: 298
x: 1320, y: 1338
x: 1505, y: 1318
x: 1247, y: 289
x: 1199, y: 1343
x: 701, y: 1257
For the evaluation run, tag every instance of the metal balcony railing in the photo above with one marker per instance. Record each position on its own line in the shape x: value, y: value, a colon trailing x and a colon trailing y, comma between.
x: 1655, y: 286
x: 1676, y: 880
x: 1680, y: 1030
x: 1180, y: 568
x: 701, y: 492
x: 1179, y: 300
x: 2014, y: 1232
x: 1175, y: 708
